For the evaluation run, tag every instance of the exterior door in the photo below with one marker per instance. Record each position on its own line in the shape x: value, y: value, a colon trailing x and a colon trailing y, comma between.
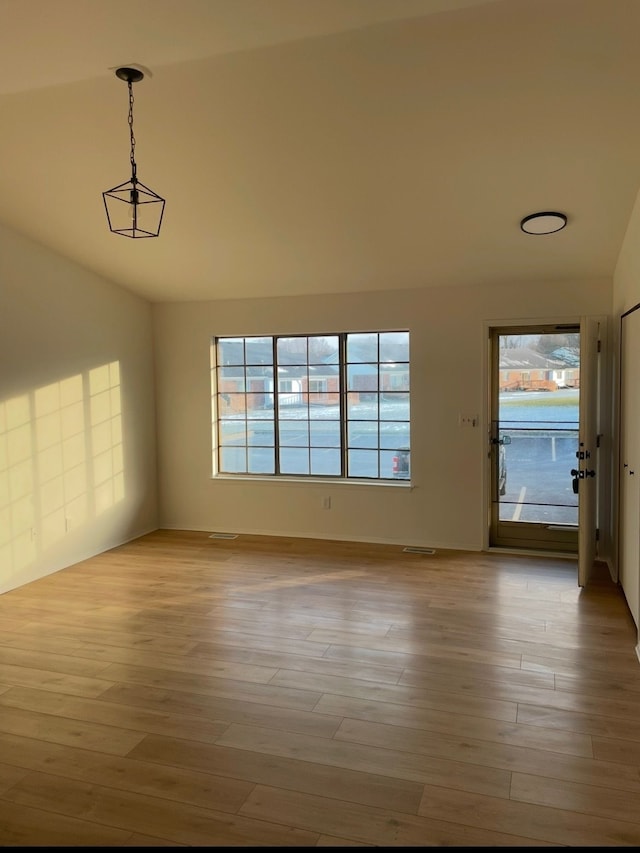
x: 542, y: 406
x: 587, y: 455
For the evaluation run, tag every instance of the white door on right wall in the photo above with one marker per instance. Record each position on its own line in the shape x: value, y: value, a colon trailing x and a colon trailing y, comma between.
x: 629, y: 530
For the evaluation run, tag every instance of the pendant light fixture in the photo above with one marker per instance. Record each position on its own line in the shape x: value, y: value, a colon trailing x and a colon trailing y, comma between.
x: 133, y: 209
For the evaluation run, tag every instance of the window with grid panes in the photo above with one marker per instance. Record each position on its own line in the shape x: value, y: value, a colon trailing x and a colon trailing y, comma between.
x: 332, y: 405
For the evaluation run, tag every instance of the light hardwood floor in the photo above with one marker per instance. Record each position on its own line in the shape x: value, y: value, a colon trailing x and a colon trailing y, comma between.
x: 183, y: 690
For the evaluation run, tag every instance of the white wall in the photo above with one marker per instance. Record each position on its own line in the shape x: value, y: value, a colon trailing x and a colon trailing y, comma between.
x: 77, y: 417
x: 444, y: 505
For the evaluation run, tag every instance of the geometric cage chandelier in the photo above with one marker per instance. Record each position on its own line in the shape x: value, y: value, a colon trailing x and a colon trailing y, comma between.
x: 133, y: 209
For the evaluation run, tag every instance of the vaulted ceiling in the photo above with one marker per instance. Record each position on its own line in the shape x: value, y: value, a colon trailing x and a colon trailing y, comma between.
x: 324, y: 146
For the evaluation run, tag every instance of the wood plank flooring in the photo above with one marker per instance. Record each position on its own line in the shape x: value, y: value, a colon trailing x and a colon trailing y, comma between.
x: 187, y: 691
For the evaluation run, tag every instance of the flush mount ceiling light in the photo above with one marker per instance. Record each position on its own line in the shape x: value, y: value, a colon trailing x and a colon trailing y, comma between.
x: 546, y: 222
x: 133, y: 209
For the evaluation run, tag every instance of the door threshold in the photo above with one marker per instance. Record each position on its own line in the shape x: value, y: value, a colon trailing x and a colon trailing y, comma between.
x: 532, y: 552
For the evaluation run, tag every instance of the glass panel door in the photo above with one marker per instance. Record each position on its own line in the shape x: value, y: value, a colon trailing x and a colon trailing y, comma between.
x: 535, y: 406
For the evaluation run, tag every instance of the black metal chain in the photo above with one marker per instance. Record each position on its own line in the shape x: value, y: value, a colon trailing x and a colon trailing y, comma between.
x: 133, y: 139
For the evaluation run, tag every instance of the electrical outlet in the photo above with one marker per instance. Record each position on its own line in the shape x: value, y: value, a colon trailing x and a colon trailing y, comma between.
x: 326, y: 503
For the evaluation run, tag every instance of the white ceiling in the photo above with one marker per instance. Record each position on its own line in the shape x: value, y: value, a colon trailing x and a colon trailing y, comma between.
x: 322, y: 146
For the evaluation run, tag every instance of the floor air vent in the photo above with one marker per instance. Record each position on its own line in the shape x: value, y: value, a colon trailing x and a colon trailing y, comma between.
x: 223, y: 536
x: 414, y: 549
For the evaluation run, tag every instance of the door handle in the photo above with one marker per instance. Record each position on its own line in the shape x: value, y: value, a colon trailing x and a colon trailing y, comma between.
x: 576, y: 479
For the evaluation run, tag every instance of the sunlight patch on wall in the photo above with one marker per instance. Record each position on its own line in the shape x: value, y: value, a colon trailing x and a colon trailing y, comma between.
x: 61, y: 463
x: 17, y: 512
x: 106, y: 436
x: 61, y: 458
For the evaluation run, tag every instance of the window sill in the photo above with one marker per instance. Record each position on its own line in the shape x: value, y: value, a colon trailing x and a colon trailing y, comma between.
x: 314, y: 481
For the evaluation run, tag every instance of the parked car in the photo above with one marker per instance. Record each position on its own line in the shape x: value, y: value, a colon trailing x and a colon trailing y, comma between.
x: 502, y: 464
x: 401, y: 464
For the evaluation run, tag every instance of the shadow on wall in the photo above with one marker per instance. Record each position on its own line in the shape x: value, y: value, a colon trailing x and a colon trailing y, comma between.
x: 61, y: 463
